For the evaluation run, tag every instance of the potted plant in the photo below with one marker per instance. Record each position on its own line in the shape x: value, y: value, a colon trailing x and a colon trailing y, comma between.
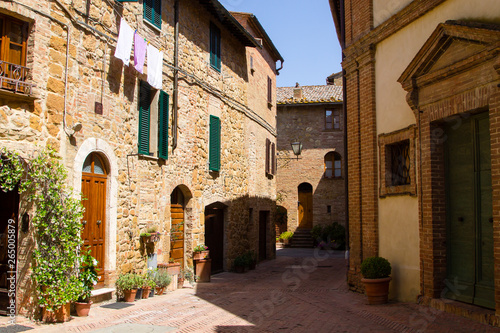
x: 173, y: 268
x: 151, y: 235
x: 128, y: 284
x: 200, y: 252
x: 148, y: 283
x: 286, y: 237
x: 376, y: 271
x: 239, y: 264
x: 88, y: 278
x: 162, y: 280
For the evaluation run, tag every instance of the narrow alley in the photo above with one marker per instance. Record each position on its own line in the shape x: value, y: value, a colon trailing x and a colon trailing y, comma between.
x: 303, y: 290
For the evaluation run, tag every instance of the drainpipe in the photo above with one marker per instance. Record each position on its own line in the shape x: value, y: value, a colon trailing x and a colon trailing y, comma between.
x: 66, y: 83
x: 176, y: 76
x: 278, y: 69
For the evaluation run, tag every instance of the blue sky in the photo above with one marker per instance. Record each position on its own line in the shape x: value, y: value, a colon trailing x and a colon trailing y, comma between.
x: 304, y: 34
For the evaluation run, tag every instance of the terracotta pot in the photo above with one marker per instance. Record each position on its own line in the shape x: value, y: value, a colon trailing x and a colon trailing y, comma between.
x: 174, y: 268
x: 160, y: 290
x: 377, y: 290
x: 203, y: 270
x: 129, y: 295
x: 58, y: 316
x: 145, y: 292
x: 82, y: 309
x: 201, y: 255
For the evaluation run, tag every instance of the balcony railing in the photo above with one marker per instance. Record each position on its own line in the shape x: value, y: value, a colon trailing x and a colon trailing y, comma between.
x: 13, y: 77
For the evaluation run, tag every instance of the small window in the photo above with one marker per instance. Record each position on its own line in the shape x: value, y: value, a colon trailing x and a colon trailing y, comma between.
x: 328, y: 119
x: 215, y: 51
x: 269, y: 90
x: 152, y: 12
x: 214, y: 144
x: 328, y: 209
x: 333, y: 165
x: 336, y: 119
x: 93, y: 164
x: 398, y: 158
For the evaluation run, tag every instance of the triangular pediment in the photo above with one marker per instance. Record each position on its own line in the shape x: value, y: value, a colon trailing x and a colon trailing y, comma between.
x: 449, y: 48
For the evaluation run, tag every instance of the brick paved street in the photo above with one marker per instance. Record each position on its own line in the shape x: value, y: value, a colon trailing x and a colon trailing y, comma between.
x: 301, y: 291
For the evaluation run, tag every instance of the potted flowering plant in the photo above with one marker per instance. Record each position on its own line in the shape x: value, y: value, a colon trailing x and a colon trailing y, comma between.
x: 151, y: 235
x: 128, y: 284
x: 200, y: 252
x: 88, y: 279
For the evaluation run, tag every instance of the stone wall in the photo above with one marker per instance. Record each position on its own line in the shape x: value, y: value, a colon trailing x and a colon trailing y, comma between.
x: 306, y: 123
x: 139, y: 187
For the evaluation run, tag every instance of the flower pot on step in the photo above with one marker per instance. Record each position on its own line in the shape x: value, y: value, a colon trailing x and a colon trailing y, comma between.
x: 59, y: 315
x: 145, y: 292
x: 201, y: 255
x: 160, y: 290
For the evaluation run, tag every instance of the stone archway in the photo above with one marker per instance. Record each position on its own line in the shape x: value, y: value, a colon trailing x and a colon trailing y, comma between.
x: 105, y: 151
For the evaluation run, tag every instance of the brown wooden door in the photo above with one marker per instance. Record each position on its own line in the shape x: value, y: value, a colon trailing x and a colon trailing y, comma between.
x: 305, y: 208
x: 177, y: 233
x: 8, y: 213
x: 94, y: 217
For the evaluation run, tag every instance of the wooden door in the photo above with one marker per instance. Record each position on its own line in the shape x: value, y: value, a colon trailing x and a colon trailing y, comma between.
x: 305, y: 208
x: 469, y: 212
x: 177, y: 233
x: 94, y: 217
x: 9, y: 230
x: 263, y: 223
x: 214, y: 237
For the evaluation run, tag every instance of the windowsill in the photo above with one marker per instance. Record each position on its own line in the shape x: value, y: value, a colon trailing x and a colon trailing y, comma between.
x: 151, y: 25
x: 333, y: 178
x: 408, y: 189
x: 332, y: 130
x: 218, y: 70
x: 148, y: 157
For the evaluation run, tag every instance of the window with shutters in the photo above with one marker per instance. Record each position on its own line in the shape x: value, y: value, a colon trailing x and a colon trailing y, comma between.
x: 152, y: 12
x: 333, y: 165
x: 153, y: 122
x: 215, y: 54
x: 270, y: 158
x: 214, y: 144
x: 13, y: 54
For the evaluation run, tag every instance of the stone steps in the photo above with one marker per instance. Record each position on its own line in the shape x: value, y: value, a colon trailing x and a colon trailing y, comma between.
x: 302, y: 238
x: 102, y: 295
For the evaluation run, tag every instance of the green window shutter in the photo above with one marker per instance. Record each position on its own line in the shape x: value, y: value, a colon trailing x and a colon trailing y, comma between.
x: 144, y: 110
x: 163, y: 126
x: 152, y: 12
x: 214, y: 149
x: 215, y: 49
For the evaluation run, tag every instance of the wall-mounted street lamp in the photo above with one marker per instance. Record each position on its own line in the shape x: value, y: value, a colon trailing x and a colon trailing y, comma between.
x: 297, y: 148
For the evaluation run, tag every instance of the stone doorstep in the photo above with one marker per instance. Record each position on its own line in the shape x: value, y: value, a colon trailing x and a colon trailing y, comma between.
x: 102, y: 295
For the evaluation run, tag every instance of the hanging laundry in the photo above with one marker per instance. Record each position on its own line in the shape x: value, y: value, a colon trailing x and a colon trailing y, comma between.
x: 125, y: 40
x: 139, y: 52
x: 155, y: 67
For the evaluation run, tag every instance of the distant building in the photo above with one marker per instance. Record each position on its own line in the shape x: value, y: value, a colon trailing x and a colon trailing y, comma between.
x: 311, y: 189
x: 423, y: 119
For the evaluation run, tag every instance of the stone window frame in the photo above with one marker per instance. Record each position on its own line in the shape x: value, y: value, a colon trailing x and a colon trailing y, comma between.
x: 385, y: 140
x: 335, y: 117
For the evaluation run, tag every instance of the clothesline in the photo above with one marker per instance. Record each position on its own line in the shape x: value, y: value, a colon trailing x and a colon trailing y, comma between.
x: 127, y: 37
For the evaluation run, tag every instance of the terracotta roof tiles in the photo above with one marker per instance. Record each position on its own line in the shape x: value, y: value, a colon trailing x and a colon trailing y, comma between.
x: 310, y: 94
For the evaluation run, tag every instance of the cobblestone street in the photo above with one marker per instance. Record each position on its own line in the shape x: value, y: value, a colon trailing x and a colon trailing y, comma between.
x: 301, y: 291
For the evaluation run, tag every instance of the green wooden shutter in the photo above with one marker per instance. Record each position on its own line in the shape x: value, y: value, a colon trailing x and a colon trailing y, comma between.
x: 163, y: 126
x: 215, y: 48
x: 152, y: 12
x: 214, y: 149
x: 144, y: 114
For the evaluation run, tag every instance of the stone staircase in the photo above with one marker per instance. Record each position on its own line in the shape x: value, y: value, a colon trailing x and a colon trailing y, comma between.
x: 302, y: 238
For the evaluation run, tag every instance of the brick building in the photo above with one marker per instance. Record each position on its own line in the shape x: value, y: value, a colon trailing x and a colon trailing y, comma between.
x: 423, y: 101
x: 188, y: 157
x: 311, y: 189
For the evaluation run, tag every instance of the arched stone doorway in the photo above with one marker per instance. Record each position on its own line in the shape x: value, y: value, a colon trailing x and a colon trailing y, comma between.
x: 305, y: 209
x: 94, y: 198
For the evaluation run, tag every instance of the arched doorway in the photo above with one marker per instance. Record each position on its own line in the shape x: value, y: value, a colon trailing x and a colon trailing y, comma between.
x: 177, y: 205
x: 305, y: 205
x: 214, y: 234
x: 94, y: 177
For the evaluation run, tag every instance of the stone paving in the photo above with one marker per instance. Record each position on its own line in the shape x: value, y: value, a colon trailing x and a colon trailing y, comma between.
x: 303, y: 290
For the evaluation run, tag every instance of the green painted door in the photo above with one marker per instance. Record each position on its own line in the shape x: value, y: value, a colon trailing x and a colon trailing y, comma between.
x: 469, y: 211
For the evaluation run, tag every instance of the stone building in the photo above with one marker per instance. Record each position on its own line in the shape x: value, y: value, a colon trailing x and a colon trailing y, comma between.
x: 187, y: 158
x: 311, y: 189
x: 423, y: 102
